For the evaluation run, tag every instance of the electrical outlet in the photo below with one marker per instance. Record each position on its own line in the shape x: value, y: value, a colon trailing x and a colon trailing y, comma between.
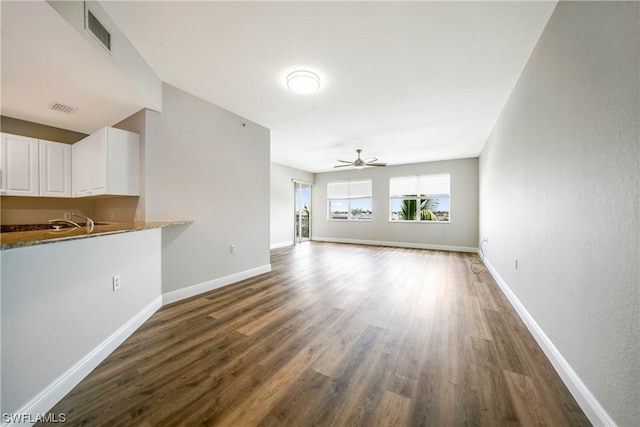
x: 232, y: 249
x: 116, y: 282
x: 67, y: 215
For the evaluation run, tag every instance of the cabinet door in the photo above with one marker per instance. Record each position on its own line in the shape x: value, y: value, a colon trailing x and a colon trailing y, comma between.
x: 89, y: 165
x: 98, y: 162
x: 123, y: 162
x: 21, y: 158
x: 79, y: 181
x: 55, y: 169
x: 106, y: 162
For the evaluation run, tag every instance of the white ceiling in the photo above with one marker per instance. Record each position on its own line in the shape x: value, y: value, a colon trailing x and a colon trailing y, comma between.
x: 405, y: 81
x: 44, y: 61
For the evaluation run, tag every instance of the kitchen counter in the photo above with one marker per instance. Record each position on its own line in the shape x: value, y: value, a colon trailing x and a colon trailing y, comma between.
x: 38, y: 237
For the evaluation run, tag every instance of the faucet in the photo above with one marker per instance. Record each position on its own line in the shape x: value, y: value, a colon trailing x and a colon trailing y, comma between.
x: 89, y: 222
x: 58, y: 222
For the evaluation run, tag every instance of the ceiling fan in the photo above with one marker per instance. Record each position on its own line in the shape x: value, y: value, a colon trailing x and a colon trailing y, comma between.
x: 359, y: 163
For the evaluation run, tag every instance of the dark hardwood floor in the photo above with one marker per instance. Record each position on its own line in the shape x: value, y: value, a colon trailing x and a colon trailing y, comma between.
x: 335, y: 335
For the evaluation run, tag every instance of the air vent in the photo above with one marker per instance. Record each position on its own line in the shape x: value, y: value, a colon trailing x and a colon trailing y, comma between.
x: 62, y: 108
x: 98, y: 30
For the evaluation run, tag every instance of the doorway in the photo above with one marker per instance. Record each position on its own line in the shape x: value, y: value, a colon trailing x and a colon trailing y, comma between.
x: 302, y: 210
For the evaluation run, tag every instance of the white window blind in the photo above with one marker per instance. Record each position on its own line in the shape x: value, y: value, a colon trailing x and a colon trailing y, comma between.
x: 425, y: 185
x: 349, y: 189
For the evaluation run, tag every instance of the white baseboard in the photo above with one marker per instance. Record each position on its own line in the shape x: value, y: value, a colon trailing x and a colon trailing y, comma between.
x: 587, y: 401
x: 281, y: 244
x: 59, y: 388
x: 396, y: 244
x: 51, y: 395
x: 210, y: 285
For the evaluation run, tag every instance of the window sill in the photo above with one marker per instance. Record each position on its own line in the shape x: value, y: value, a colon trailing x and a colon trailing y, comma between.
x: 418, y: 222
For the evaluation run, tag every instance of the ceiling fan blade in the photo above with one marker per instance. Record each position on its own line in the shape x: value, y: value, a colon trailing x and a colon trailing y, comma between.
x: 359, y: 163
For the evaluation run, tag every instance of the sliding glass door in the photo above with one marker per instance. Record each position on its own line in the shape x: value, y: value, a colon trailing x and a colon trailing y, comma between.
x: 302, y: 211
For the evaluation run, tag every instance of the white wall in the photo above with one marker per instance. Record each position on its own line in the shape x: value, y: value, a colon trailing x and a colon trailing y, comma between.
x: 282, y: 199
x: 559, y: 191
x: 460, y: 234
x: 58, y: 307
x: 211, y: 166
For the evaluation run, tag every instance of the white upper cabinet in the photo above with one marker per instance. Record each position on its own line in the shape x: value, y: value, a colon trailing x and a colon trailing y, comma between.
x: 86, y: 155
x: 55, y: 169
x: 19, y: 163
x: 106, y: 162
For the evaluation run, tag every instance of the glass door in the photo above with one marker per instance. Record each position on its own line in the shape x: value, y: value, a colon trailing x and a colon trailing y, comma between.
x: 302, y: 211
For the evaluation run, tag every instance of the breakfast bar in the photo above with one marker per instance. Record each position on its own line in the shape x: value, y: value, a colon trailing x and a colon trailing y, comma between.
x: 68, y: 299
x: 28, y: 235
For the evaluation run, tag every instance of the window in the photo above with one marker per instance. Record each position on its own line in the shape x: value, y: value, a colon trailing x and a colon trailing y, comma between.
x: 349, y: 200
x: 419, y: 198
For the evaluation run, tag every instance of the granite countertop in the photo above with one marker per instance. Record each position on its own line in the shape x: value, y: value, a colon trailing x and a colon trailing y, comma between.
x: 16, y: 239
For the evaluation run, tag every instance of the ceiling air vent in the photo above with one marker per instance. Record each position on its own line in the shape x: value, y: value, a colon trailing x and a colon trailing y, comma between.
x: 98, y: 30
x: 62, y: 108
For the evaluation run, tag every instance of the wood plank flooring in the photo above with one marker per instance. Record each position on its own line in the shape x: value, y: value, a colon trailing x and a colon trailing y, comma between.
x: 335, y: 335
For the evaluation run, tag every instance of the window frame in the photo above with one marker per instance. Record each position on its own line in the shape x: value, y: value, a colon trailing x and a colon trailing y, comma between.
x: 348, y: 198
x: 419, y: 197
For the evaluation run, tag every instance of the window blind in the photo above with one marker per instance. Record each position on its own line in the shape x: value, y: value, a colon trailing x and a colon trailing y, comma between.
x: 425, y: 185
x: 349, y: 189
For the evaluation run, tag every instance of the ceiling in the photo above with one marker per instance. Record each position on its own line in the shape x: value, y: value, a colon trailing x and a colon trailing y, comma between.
x: 46, y: 61
x: 405, y: 81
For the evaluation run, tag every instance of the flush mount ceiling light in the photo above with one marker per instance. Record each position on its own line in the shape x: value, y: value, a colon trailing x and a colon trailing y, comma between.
x: 303, y: 82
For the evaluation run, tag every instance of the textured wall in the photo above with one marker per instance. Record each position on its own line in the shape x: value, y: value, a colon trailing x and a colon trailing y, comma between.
x: 36, y: 130
x: 559, y: 191
x: 282, y: 199
x: 462, y: 232
x: 203, y: 164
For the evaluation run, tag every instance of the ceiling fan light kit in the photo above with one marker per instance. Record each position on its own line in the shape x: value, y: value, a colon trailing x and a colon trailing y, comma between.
x: 303, y: 82
x: 359, y: 163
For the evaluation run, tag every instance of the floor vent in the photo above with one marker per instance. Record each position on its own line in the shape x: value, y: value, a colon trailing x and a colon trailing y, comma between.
x: 98, y: 30
x: 62, y: 108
